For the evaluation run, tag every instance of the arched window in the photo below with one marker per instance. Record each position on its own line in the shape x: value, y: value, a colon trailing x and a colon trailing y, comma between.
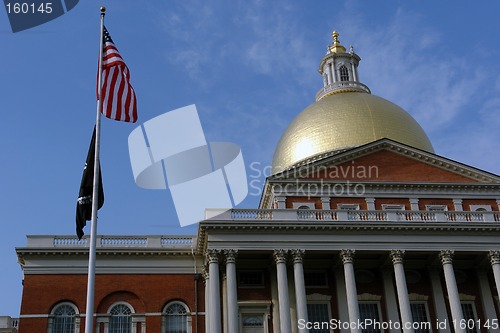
x: 344, y: 73
x: 176, y: 319
x: 64, y: 319
x: 120, y: 320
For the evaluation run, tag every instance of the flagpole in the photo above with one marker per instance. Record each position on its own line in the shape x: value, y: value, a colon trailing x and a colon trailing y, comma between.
x: 89, y: 312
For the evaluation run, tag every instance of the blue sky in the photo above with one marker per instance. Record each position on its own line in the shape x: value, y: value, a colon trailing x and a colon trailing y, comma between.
x: 250, y: 67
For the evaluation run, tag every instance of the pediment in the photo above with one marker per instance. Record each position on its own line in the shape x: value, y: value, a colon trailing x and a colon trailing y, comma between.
x: 387, y: 161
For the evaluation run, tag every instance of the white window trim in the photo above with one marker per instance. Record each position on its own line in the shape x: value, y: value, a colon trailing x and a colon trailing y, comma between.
x: 132, y: 310
x: 328, y: 307
x: 474, y: 312
x: 189, y: 315
x: 51, y: 316
x: 348, y: 206
x: 474, y: 208
x: 427, y: 313
x: 436, y: 208
x: 297, y: 205
x: 393, y: 207
x: 377, y: 302
x: 254, y: 308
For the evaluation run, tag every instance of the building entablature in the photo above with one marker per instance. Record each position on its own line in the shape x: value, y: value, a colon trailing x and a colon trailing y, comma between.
x: 384, y: 166
x: 51, y: 254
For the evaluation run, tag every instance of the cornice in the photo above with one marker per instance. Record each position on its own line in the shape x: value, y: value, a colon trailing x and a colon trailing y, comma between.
x: 300, y: 227
x: 339, y: 156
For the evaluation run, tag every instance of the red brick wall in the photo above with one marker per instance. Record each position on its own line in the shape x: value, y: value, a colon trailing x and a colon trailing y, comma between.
x: 315, y: 200
x: 145, y: 292
x: 428, y: 201
x: 388, y: 166
x: 467, y: 202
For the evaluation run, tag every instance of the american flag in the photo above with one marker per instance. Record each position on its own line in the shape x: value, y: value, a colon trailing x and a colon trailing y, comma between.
x: 118, y: 96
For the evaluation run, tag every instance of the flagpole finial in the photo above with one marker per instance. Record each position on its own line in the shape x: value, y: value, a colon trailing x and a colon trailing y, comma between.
x: 103, y: 9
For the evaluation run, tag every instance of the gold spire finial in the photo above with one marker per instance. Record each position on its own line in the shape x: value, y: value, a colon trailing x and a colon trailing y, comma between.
x: 103, y: 9
x: 335, y: 36
x: 336, y: 47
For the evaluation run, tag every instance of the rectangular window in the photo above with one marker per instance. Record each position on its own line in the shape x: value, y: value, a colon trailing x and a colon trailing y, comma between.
x: 370, y: 310
x: 250, y: 279
x: 348, y: 206
x: 436, y: 208
x: 319, y: 315
x: 315, y: 279
x: 470, y: 317
x: 393, y: 207
x: 420, y: 315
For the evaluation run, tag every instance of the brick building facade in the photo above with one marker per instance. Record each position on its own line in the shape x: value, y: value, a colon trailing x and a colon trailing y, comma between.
x: 360, y: 222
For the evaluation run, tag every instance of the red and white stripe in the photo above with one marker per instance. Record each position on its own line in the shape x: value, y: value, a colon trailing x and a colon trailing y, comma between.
x: 118, y: 96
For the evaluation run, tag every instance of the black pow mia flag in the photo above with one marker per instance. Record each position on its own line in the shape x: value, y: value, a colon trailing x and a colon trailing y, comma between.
x: 84, y: 202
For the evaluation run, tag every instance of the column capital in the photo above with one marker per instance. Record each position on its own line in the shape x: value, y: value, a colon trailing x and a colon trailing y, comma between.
x: 446, y: 256
x: 494, y: 256
x: 213, y: 256
x: 397, y: 256
x: 231, y: 255
x: 347, y: 255
x: 280, y: 256
x: 205, y: 274
x: 298, y: 255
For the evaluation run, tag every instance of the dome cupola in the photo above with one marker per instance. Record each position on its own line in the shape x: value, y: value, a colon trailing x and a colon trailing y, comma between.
x: 345, y: 115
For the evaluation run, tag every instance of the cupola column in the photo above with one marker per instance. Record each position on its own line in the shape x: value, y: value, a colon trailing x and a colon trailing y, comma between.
x: 333, y: 71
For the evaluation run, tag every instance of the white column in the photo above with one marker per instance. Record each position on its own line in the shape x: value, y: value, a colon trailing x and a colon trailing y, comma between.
x: 329, y: 73
x: 487, y: 299
x: 439, y: 303
x: 280, y: 257
x: 300, y: 287
x: 404, y: 302
x: 332, y: 69
x: 206, y: 279
x: 390, y: 298
x: 232, y: 291
x: 370, y: 203
x: 457, y: 204
x: 343, y: 315
x: 214, y: 301
x: 414, y: 204
x: 223, y: 286
x: 325, y: 203
x: 451, y: 286
x: 495, y: 265
x: 347, y: 257
x: 281, y: 200
x: 354, y: 74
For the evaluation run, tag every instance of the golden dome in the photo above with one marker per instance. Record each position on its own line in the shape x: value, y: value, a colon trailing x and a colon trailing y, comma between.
x: 344, y: 120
